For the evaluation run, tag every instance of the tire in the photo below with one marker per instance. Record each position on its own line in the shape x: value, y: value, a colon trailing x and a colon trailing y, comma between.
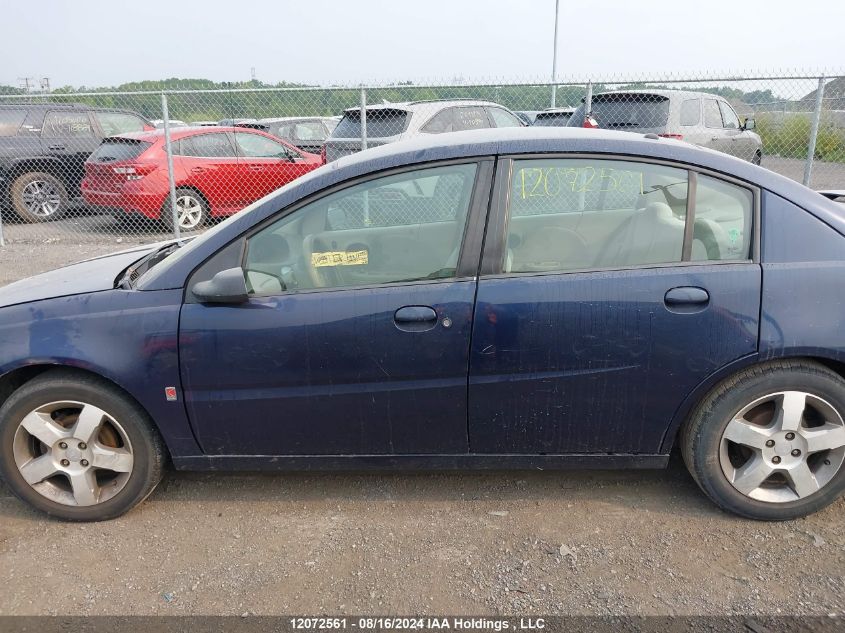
x: 758, y: 158
x: 125, y: 458
x: 741, y: 431
x: 192, y: 207
x: 38, y: 197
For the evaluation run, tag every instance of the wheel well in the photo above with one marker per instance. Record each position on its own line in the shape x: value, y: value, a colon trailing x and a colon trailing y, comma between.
x: 835, y: 366
x: 17, y: 378
x: 196, y: 191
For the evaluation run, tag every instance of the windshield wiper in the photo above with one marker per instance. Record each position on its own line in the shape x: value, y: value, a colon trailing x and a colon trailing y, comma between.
x: 133, y: 272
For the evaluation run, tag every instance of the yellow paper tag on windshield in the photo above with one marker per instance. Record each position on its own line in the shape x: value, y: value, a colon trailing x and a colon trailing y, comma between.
x: 339, y: 258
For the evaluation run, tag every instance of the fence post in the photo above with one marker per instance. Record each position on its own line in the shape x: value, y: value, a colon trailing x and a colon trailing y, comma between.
x: 554, y: 58
x: 814, y: 132
x: 588, y: 101
x: 165, y: 115
x: 2, y: 241
x: 363, y: 118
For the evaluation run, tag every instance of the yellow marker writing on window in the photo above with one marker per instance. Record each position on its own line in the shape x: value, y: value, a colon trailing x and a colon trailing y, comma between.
x: 340, y: 258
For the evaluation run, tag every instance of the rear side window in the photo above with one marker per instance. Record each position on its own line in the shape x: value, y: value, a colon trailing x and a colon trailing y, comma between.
x: 10, y: 121
x: 381, y: 122
x: 627, y: 111
x: 712, y: 114
x: 114, y: 123
x: 114, y: 150
x: 723, y: 213
x: 690, y: 111
x: 457, y: 119
x: 207, y: 146
x: 58, y: 124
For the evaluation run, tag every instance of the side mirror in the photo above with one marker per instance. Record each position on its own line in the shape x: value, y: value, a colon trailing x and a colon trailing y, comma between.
x: 749, y: 124
x: 227, y: 286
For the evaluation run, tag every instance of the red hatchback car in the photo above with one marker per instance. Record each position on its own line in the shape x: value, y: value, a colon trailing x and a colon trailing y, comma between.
x: 218, y: 171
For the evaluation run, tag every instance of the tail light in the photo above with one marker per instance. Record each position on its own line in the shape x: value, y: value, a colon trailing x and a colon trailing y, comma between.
x: 134, y: 172
x: 679, y: 137
x: 323, y: 154
x: 590, y: 122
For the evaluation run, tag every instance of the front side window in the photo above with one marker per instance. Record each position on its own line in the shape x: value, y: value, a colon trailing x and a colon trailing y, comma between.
x: 60, y: 124
x: 207, y: 146
x: 113, y: 123
x: 11, y: 121
x: 257, y: 146
x: 503, y: 118
x: 400, y: 228
x: 712, y: 114
x: 729, y: 118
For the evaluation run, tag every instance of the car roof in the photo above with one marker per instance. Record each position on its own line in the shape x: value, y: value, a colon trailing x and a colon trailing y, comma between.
x: 491, y: 142
x: 412, y: 106
x: 181, y: 131
x: 63, y: 106
x: 661, y: 92
x: 286, y: 119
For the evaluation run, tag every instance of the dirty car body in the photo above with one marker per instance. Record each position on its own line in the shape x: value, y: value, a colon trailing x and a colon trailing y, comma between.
x: 586, y: 351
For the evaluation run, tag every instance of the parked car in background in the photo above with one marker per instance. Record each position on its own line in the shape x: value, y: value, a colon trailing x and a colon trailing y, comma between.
x: 159, y: 123
x: 307, y: 133
x: 232, y: 122
x: 204, y: 123
x: 700, y: 118
x: 218, y: 171
x: 390, y: 122
x: 527, y: 116
x: 553, y: 117
x: 524, y: 299
x: 43, y: 147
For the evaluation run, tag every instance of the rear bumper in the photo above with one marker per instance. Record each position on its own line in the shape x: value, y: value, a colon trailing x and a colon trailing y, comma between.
x: 147, y: 204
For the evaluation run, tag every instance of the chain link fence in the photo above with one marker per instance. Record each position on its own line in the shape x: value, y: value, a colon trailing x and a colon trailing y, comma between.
x: 86, y: 173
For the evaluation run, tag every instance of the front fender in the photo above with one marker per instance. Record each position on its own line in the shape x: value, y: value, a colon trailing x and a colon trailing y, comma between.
x: 128, y: 337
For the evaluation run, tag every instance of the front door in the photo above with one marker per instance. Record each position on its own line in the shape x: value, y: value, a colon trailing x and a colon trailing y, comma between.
x: 208, y: 163
x: 599, y: 312
x: 355, y: 339
x: 265, y: 165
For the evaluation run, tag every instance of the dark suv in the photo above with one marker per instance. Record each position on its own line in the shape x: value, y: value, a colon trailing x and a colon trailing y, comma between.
x: 43, y: 147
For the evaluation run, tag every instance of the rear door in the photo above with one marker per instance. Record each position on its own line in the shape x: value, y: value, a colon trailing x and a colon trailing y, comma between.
x: 265, y: 165
x: 609, y: 290
x: 69, y: 137
x: 209, y: 164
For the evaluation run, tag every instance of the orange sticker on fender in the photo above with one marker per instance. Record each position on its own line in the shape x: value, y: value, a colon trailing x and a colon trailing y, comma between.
x: 340, y: 258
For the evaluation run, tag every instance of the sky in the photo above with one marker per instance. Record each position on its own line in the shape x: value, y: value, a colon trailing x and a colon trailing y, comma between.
x: 106, y: 42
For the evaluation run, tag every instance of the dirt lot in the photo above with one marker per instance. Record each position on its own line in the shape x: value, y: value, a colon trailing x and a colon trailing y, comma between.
x: 538, y: 542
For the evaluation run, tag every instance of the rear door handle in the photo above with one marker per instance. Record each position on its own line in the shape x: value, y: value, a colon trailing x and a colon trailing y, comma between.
x: 56, y: 147
x: 197, y: 170
x: 686, y: 298
x: 415, y: 318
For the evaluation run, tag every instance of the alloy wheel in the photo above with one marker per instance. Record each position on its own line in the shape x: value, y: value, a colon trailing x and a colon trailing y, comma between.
x: 190, y: 212
x: 783, y: 447
x: 41, y: 198
x: 73, y: 453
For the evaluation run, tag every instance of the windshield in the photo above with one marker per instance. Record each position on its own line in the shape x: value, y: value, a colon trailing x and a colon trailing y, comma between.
x: 626, y: 111
x: 381, y: 122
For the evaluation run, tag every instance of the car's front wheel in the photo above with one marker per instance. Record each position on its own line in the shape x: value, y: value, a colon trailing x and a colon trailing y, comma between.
x: 769, y: 442
x: 76, y: 447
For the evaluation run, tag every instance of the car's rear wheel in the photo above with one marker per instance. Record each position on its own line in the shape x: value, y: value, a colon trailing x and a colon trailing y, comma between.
x: 76, y: 447
x: 38, y: 197
x: 769, y: 442
x: 191, y: 210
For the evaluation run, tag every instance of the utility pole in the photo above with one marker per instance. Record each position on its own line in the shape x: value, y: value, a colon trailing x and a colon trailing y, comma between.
x: 554, y: 57
x: 26, y: 83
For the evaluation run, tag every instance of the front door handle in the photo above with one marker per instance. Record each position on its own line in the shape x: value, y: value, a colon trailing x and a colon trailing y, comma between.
x: 256, y: 168
x: 56, y: 147
x: 415, y: 318
x: 686, y: 299
x: 197, y: 170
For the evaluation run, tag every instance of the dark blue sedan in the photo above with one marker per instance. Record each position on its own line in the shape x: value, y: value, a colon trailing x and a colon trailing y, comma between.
x: 526, y: 298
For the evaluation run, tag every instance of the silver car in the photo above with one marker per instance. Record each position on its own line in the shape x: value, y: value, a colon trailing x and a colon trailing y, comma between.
x: 700, y: 118
x: 391, y: 122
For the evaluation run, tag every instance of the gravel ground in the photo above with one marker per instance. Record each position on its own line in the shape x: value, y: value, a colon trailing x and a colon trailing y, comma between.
x: 589, y: 543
